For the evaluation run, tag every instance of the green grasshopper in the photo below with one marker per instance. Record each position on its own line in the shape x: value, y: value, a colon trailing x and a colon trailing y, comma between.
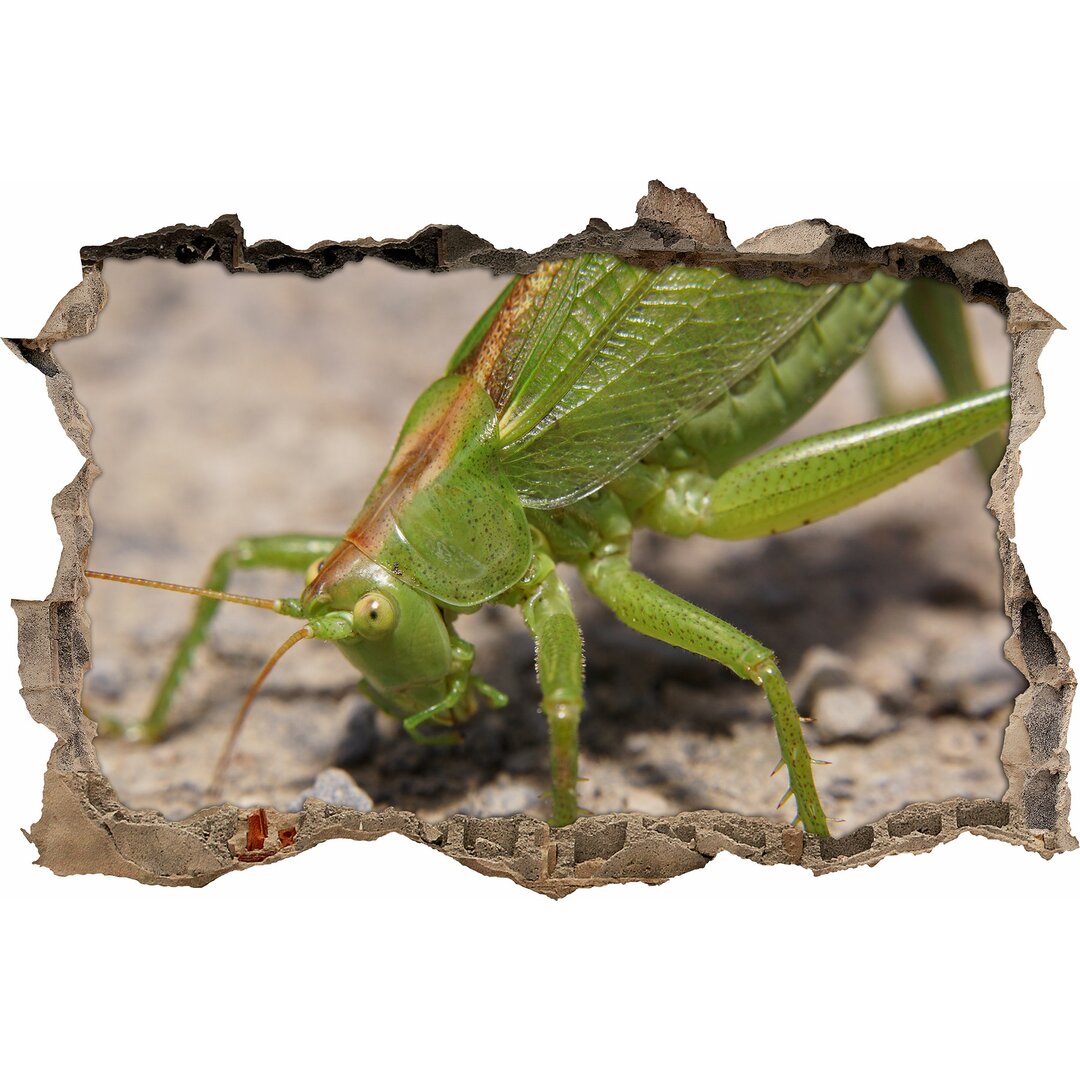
x: 591, y: 399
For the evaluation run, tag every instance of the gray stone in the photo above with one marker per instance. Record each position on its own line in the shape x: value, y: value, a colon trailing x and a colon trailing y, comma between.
x: 968, y: 670
x: 826, y: 689
x: 821, y: 668
x: 337, y: 787
x: 849, y: 712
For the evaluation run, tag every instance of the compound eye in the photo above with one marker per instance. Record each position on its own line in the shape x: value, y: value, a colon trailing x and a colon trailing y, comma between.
x: 375, y: 615
x: 313, y: 571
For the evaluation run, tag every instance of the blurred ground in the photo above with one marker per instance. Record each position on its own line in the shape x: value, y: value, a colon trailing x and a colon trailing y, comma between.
x: 236, y: 405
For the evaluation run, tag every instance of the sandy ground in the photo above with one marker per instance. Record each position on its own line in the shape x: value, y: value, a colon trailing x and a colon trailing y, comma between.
x: 227, y: 406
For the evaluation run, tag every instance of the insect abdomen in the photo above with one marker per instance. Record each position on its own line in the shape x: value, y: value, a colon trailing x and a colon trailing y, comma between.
x: 777, y: 393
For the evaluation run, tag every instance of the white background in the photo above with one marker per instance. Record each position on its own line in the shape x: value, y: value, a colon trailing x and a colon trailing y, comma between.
x: 520, y: 123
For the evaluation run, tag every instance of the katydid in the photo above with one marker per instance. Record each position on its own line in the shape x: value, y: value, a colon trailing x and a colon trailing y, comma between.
x: 593, y: 398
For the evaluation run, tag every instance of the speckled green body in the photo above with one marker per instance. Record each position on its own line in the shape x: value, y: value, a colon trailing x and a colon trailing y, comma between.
x: 592, y: 399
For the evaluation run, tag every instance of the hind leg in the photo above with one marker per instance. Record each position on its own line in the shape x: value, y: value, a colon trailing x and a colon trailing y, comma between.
x: 652, y: 610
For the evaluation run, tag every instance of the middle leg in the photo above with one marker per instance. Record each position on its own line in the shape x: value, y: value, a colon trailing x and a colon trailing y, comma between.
x: 560, y: 666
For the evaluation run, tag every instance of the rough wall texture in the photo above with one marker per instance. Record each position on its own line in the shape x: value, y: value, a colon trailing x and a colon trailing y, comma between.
x: 84, y: 828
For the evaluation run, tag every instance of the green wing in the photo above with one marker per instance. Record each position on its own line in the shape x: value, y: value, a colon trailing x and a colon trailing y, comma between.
x: 610, y: 358
x: 476, y: 335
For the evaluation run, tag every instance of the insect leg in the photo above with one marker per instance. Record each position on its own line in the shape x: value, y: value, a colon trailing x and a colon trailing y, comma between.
x: 459, y: 685
x: 290, y: 551
x: 813, y: 478
x: 458, y: 703
x: 561, y: 668
x: 765, y: 403
x: 937, y: 312
x: 650, y: 609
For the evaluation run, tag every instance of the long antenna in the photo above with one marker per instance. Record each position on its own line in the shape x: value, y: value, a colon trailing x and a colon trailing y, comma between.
x: 209, y: 594
x: 214, y: 790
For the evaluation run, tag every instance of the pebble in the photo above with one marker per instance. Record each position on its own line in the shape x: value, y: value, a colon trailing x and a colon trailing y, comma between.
x: 849, y: 712
x: 505, y: 797
x: 825, y: 688
x: 337, y: 787
x: 969, y: 669
x: 986, y: 697
x: 821, y: 667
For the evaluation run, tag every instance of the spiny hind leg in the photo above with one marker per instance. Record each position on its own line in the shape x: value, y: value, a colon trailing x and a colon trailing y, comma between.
x: 939, y: 315
x: 289, y: 551
x: 652, y: 610
x: 813, y: 478
x: 781, y: 489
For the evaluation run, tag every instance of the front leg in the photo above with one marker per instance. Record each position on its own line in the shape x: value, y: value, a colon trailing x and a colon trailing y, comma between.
x: 459, y: 702
x: 652, y: 610
x: 560, y: 666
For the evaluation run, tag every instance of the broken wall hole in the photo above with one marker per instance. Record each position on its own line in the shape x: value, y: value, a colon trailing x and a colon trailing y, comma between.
x: 670, y: 834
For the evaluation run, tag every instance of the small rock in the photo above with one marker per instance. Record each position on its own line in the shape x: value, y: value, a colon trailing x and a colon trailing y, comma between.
x: 504, y: 797
x: 825, y: 689
x: 337, y: 787
x: 984, y: 698
x: 893, y: 668
x: 821, y: 667
x: 849, y: 712
x: 971, y: 665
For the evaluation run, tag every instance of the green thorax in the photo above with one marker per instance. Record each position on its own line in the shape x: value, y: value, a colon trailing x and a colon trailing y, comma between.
x: 442, y: 517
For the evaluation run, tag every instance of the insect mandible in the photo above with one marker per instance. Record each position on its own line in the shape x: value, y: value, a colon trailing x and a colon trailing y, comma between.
x: 591, y: 399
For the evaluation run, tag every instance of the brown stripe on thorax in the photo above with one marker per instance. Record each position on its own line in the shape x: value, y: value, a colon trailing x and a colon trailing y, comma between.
x: 422, y: 456
x: 489, y: 364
